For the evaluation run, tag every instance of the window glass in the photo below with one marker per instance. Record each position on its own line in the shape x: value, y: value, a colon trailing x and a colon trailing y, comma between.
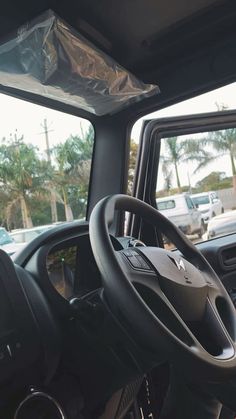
x: 189, y: 202
x: 164, y: 205
x: 197, y: 166
x: 4, y: 237
x: 45, y: 163
x: 215, y: 175
x: 214, y: 197
x: 201, y: 199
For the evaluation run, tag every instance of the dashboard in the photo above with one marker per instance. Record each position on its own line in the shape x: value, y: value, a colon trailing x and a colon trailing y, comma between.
x: 66, y: 269
x: 63, y: 270
x: 65, y: 266
x: 71, y: 267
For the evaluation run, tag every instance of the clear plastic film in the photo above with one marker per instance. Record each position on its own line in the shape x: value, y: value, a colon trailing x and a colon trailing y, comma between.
x: 49, y: 58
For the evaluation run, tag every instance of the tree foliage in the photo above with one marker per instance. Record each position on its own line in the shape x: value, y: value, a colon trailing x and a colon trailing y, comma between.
x: 178, y: 151
x: 222, y: 143
x: 22, y: 174
x: 27, y: 179
x: 213, y: 181
x: 72, y: 170
x: 132, y: 164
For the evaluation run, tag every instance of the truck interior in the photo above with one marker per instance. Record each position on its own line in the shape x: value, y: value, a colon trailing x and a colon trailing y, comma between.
x: 100, y: 317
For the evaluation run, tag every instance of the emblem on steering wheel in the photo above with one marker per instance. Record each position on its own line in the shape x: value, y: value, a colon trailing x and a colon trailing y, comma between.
x: 180, y: 265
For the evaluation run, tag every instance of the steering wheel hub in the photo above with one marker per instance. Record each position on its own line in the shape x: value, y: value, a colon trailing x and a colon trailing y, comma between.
x: 182, y: 283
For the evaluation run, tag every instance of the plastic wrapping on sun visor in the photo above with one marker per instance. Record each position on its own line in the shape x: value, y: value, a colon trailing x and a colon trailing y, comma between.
x: 51, y: 59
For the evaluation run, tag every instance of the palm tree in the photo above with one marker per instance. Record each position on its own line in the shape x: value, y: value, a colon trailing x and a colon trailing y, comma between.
x: 73, y: 162
x: 62, y: 175
x: 177, y: 151
x: 174, y: 154
x: 224, y: 143
x: 22, y: 174
x: 132, y: 164
x: 167, y: 176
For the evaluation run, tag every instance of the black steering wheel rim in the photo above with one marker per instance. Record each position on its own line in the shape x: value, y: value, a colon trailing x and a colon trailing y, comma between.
x: 126, y: 300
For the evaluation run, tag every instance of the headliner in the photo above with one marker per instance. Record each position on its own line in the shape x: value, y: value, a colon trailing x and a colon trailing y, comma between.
x: 171, y: 43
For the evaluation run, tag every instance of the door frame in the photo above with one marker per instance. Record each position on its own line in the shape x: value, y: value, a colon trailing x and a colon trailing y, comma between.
x: 145, y: 178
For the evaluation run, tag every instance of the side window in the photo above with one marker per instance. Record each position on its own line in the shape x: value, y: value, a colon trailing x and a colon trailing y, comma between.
x: 165, y: 205
x: 213, y: 196
x: 189, y: 202
x: 192, y: 165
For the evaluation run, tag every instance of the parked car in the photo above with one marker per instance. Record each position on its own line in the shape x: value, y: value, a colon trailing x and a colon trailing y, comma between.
x: 222, y: 224
x: 7, y: 243
x: 181, y: 210
x: 25, y: 235
x: 209, y: 204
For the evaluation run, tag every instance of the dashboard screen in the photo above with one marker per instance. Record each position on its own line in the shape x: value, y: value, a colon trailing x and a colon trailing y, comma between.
x: 61, y: 267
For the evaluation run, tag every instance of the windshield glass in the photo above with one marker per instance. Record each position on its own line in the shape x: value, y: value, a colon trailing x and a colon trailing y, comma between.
x: 201, y: 200
x: 45, y: 163
x: 4, y: 237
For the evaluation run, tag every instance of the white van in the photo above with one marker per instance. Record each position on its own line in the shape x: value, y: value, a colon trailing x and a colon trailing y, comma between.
x: 181, y: 210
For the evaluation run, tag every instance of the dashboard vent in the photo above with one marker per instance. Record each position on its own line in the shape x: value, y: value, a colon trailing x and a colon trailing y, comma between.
x: 229, y: 256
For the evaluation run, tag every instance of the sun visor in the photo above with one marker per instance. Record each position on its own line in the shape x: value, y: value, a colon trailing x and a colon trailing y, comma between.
x: 51, y: 59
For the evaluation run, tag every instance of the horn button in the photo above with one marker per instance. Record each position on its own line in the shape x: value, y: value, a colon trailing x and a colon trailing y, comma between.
x: 182, y: 283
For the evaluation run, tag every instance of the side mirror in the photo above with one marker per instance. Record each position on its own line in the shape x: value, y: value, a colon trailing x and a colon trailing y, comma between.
x: 215, y: 200
x: 197, y: 206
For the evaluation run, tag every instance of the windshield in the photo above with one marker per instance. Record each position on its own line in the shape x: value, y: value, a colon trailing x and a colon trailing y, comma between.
x: 201, y: 200
x: 4, y: 237
x: 45, y: 164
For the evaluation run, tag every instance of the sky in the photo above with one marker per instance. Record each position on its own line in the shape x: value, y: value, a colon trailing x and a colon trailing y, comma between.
x: 27, y: 119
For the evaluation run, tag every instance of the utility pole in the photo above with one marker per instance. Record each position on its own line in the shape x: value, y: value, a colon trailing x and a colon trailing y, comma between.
x: 189, y: 179
x: 189, y: 183
x: 46, y: 131
x: 53, y: 201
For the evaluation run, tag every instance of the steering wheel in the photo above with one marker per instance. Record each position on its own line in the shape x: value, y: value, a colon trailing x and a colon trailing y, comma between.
x: 173, y: 302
